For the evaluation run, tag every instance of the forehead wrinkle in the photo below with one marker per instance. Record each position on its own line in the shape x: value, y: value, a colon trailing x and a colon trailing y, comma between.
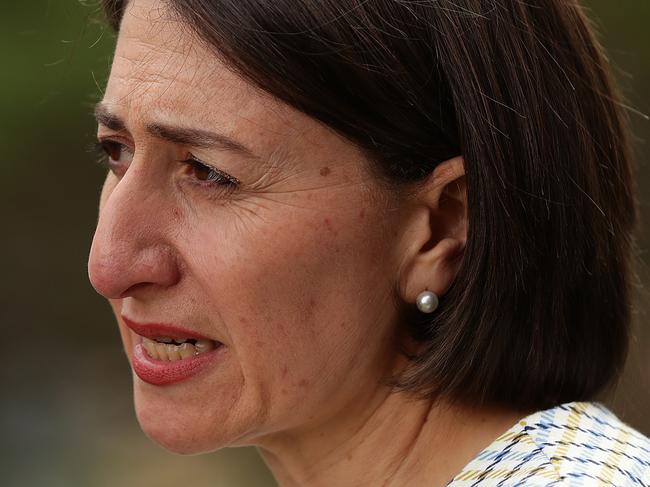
x: 176, y: 76
x: 183, y: 43
x: 143, y: 48
x: 135, y: 74
x: 193, y: 78
x: 146, y: 82
x: 150, y: 54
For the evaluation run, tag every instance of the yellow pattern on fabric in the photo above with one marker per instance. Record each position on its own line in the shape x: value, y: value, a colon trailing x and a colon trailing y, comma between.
x: 571, y: 445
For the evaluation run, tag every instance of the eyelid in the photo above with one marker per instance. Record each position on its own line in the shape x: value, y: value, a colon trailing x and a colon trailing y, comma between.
x: 192, y: 158
x: 105, y: 158
x: 116, y: 140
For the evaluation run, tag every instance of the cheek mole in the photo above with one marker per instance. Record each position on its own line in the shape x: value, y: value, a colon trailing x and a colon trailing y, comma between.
x: 324, y: 171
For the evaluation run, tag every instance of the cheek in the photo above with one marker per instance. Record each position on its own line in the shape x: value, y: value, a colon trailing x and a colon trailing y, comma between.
x: 289, y: 292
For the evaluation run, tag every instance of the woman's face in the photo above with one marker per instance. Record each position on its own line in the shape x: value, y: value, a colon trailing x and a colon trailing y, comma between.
x: 291, y: 268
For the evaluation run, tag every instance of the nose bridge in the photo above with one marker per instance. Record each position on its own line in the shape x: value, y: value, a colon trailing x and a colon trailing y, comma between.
x: 130, y: 247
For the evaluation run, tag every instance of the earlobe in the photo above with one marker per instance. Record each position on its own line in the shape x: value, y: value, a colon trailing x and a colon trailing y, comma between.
x: 437, y: 233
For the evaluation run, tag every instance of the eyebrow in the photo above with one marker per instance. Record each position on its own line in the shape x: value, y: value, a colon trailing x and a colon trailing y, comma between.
x: 177, y: 135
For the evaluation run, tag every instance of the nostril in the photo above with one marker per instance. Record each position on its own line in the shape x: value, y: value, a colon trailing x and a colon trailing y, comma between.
x: 135, y: 288
x: 103, y: 281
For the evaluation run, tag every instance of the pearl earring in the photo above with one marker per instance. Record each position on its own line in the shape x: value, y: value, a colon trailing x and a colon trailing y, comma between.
x: 427, y: 301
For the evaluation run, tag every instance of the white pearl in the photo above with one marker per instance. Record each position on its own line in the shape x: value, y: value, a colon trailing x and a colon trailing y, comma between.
x: 427, y: 301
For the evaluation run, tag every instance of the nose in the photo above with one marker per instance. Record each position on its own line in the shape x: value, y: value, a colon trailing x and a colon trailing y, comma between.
x: 130, y: 251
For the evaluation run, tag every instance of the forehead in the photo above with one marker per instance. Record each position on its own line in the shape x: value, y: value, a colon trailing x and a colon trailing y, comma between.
x: 162, y: 70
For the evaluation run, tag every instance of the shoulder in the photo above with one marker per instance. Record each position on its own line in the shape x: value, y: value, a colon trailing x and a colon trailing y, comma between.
x: 573, y: 444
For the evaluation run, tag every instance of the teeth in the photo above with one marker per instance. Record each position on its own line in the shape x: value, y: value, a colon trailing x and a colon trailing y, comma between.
x: 186, y: 350
x: 203, y: 346
x: 164, y: 339
x: 150, y: 346
x: 162, y: 351
x: 170, y: 352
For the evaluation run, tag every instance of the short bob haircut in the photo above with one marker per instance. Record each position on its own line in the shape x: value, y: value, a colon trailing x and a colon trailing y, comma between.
x: 540, y: 311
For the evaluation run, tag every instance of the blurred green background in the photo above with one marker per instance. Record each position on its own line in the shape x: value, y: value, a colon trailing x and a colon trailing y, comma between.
x: 66, y: 411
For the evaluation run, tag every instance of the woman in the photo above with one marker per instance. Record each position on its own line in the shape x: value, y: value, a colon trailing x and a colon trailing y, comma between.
x: 386, y: 242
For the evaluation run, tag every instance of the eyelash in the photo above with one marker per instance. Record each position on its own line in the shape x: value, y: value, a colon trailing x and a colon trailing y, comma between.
x: 218, y: 179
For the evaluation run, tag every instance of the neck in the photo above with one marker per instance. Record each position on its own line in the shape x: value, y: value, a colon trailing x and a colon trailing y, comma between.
x: 391, y: 440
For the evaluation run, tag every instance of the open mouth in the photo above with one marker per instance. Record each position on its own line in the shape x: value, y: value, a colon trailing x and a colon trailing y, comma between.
x: 170, y: 343
x: 166, y: 354
x: 172, y: 349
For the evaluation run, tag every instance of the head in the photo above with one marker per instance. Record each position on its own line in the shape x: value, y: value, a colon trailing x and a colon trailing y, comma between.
x: 287, y: 180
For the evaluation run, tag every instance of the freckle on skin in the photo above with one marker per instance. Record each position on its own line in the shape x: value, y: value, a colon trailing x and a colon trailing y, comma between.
x: 302, y: 383
x: 328, y: 224
x: 284, y: 371
x: 324, y: 171
x: 361, y: 214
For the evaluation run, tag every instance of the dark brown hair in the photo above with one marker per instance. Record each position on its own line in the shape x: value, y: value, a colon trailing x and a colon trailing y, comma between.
x: 540, y: 310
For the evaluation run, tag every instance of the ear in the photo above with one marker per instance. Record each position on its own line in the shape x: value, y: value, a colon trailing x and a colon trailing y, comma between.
x: 436, y: 232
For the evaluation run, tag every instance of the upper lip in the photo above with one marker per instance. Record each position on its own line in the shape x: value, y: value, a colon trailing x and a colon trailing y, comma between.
x: 154, y: 330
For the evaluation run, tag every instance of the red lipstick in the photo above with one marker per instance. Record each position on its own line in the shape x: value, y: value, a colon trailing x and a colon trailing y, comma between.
x: 162, y: 372
x: 153, y: 330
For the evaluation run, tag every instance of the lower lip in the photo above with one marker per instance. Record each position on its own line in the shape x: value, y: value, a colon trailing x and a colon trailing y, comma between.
x: 162, y: 372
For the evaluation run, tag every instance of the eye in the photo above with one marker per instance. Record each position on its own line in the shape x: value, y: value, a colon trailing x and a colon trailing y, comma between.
x: 115, y: 156
x: 205, y: 175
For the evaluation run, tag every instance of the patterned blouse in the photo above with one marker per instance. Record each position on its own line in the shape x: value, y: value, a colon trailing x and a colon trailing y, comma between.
x: 574, y: 444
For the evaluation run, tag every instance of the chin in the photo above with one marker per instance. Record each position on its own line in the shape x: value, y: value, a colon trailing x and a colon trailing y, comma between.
x: 179, y: 426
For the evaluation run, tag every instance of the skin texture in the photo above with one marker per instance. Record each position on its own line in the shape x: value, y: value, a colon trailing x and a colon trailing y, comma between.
x: 294, y: 271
